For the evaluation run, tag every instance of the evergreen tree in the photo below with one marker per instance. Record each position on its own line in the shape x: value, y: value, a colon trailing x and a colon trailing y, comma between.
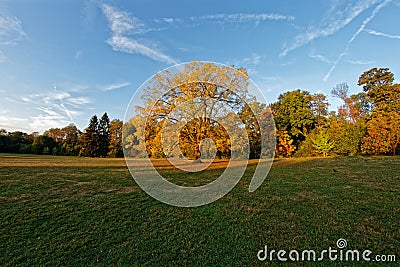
x: 103, y: 135
x: 90, y: 144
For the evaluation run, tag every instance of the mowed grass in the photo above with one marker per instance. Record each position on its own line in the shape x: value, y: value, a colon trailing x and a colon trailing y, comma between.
x: 68, y: 211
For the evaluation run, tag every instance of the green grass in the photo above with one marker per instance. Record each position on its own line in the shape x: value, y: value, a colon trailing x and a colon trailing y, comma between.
x: 64, y: 211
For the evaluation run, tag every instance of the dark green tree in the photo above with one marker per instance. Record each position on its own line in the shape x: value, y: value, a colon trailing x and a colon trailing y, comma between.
x: 103, y: 136
x: 90, y: 144
x: 293, y: 114
x: 43, y: 144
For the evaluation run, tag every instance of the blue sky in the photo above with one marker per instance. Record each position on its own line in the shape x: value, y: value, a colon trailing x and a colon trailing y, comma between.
x: 63, y: 61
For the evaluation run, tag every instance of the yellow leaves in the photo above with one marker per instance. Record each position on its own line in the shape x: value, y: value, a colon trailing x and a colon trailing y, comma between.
x: 285, y: 145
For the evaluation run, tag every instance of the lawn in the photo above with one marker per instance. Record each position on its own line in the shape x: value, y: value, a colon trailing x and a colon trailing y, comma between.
x: 64, y: 211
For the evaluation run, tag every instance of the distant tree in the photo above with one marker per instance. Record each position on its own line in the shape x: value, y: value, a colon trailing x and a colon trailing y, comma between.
x: 348, y: 127
x: 71, y: 145
x: 130, y: 139
x: 90, y: 144
x: 103, y: 136
x: 285, y: 146
x: 355, y: 107
x: 293, y: 114
x: 383, y: 123
x: 378, y: 84
x: 16, y: 141
x: 319, y: 106
x: 247, y: 115
x: 383, y: 134
x: 4, y: 141
x: 115, y: 133
x: 57, y: 134
x: 347, y: 136
x: 43, y: 144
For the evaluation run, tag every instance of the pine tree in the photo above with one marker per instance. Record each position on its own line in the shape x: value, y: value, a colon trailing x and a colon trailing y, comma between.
x: 90, y: 146
x: 103, y: 135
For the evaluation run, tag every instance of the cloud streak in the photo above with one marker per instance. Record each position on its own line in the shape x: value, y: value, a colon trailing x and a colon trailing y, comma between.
x: 340, y: 19
x: 11, y: 31
x: 360, y: 29
x: 51, y: 109
x: 132, y: 46
x: 372, y: 32
x: 360, y: 62
x: 319, y: 58
x: 242, y: 18
x: 123, y: 25
x: 116, y: 86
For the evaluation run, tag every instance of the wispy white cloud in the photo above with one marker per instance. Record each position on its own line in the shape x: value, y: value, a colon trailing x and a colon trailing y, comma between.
x: 46, y: 121
x: 53, y: 108
x: 340, y: 19
x: 360, y: 29
x: 122, y: 22
x: 361, y: 62
x: 116, y: 86
x: 123, y: 25
x: 169, y: 20
x: 254, y: 59
x: 320, y: 57
x: 132, y: 46
x: 11, y: 123
x: 60, y: 96
x: 242, y: 18
x: 11, y: 31
x: 224, y: 18
x: 74, y: 87
x: 80, y: 100
x: 248, y: 62
x: 382, y: 34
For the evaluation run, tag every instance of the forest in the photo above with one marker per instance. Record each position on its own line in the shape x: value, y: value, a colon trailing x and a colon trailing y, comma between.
x: 366, y: 123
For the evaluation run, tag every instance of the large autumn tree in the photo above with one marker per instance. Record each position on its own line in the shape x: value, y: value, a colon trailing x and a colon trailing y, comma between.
x: 195, y: 104
x: 384, y: 121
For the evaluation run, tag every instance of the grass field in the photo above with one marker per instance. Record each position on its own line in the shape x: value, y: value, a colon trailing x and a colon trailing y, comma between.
x: 64, y: 211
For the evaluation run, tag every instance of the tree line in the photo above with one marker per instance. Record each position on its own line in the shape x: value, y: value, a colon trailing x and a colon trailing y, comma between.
x: 101, y: 138
x: 367, y: 123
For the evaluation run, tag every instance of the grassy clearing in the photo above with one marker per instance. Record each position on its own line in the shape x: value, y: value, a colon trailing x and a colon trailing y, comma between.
x: 78, y: 211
